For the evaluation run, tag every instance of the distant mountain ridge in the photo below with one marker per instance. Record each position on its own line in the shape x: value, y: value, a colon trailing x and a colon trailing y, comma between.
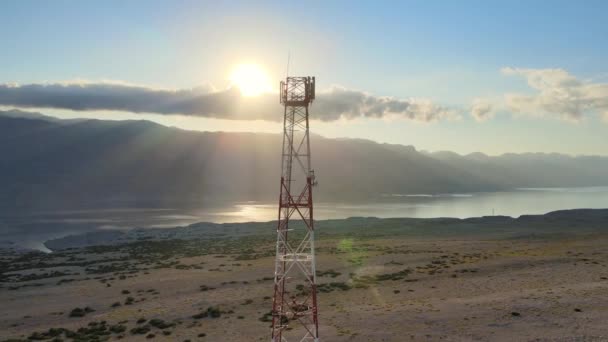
x: 72, y: 163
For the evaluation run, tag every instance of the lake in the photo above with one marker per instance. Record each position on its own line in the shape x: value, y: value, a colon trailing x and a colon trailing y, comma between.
x: 35, y: 228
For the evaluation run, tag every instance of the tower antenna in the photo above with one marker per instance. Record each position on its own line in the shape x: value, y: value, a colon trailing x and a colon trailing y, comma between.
x: 294, y: 305
x: 288, y: 60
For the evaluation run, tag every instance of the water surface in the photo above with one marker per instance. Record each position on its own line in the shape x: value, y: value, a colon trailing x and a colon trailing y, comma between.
x: 33, y: 229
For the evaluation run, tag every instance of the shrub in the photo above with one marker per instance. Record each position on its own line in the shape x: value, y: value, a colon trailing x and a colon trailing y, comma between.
x: 78, y: 312
x: 160, y: 324
x: 202, y: 314
x: 214, y: 311
x: 118, y: 328
x: 267, y: 317
x: 140, y: 330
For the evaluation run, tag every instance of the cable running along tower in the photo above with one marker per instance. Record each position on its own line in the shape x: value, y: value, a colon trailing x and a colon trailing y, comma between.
x: 294, y: 304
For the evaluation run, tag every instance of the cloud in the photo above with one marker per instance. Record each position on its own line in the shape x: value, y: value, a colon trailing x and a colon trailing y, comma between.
x: 482, y: 110
x: 340, y: 102
x: 330, y: 105
x: 558, y: 93
x: 120, y: 97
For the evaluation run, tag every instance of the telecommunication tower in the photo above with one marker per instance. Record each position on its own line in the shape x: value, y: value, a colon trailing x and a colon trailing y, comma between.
x: 294, y: 305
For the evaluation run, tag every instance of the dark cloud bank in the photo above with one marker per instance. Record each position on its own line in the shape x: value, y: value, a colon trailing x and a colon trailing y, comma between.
x: 332, y: 104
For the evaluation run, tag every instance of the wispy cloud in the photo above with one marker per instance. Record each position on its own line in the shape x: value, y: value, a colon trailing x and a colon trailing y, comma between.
x: 558, y: 93
x: 482, y: 110
x: 330, y: 105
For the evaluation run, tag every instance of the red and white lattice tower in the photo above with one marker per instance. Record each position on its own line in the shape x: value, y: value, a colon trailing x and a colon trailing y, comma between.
x: 294, y: 305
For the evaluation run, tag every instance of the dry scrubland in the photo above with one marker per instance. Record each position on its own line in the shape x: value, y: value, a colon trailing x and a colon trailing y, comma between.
x: 467, y: 281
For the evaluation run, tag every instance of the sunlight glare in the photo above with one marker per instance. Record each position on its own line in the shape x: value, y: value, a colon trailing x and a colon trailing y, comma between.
x: 251, y: 79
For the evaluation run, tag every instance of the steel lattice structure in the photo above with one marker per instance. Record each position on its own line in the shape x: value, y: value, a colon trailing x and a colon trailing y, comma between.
x: 294, y: 304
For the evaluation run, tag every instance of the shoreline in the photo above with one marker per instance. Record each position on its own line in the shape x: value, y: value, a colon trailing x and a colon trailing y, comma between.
x: 101, y: 236
x: 594, y: 218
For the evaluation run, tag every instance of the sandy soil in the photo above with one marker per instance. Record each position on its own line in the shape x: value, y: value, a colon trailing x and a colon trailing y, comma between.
x: 457, y: 289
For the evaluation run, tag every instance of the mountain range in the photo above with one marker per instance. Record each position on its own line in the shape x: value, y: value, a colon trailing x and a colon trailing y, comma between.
x: 51, y: 163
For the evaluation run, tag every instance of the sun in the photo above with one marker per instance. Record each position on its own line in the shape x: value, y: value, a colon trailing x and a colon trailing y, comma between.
x: 251, y: 79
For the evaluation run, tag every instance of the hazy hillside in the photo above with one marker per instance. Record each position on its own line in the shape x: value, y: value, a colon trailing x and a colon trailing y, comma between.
x: 531, y: 169
x: 48, y: 162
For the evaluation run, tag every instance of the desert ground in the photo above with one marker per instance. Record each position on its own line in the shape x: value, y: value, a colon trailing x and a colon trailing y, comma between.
x: 434, y: 280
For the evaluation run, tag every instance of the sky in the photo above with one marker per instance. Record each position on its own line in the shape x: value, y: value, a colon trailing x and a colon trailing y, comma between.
x: 465, y: 76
